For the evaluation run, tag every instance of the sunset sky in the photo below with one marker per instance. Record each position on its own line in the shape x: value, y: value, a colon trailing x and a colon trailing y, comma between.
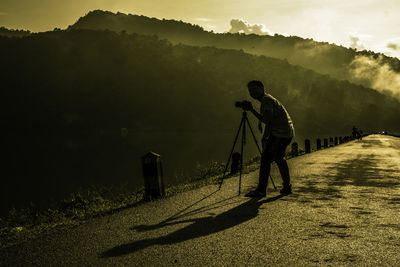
x: 369, y: 24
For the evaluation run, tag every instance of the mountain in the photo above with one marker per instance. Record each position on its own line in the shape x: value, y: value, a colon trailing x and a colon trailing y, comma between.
x: 67, y: 96
x: 70, y: 68
x: 373, y: 70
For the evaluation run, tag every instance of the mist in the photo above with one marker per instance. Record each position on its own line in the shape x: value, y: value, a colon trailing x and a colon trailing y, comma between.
x: 375, y: 73
x: 240, y: 26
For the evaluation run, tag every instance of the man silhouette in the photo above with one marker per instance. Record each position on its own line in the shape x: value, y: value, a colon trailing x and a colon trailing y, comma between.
x: 354, y: 132
x: 278, y: 134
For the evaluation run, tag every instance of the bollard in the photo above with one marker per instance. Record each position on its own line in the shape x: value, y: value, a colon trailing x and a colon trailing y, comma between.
x: 153, y: 176
x: 307, y: 146
x: 330, y: 141
x: 325, y: 143
x: 318, y: 144
x: 295, y: 149
x: 336, y: 141
x: 235, y: 166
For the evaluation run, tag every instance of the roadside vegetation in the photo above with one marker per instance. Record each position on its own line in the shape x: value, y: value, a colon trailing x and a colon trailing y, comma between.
x: 24, y: 224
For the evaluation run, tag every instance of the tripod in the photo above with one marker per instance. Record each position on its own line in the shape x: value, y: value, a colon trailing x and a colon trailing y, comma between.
x: 242, y: 127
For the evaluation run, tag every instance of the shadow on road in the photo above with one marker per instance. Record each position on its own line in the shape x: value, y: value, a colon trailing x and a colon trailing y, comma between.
x: 172, y: 220
x: 200, y: 227
x: 364, y: 170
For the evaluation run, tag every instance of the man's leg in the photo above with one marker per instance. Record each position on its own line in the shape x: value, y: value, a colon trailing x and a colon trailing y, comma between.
x: 265, y: 169
x: 284, y: 170
x: 267, y: 157
x: 282, y: 164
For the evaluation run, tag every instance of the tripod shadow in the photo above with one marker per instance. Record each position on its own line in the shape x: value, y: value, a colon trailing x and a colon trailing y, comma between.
x: 172, y: 220
x: 200, y: 227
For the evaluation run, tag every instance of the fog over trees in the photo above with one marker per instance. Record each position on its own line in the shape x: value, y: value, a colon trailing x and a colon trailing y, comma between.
x: 337, y: 61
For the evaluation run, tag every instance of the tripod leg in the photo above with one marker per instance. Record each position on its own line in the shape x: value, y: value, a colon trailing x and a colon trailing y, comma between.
x: 272, y: 180
x: 241, y: 152
x: 259, y: 150
x: 230, y: 155
x: 254, y: 136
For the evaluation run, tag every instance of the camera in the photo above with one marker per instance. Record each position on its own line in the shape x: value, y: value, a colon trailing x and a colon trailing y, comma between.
x: 246, y: 105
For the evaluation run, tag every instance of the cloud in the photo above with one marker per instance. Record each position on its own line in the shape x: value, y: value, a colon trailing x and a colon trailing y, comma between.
x: 357, y: 40
x: 202, y: 19
x: 240, y: 26
x: 393, y: 46
x: 356, y: 43
x: 205, y: 23
x: 373, y: 72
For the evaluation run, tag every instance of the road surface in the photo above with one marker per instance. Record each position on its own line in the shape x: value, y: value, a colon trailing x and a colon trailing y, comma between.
x: 344, y: 212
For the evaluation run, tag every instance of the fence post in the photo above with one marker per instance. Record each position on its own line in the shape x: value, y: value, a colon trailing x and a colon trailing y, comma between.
x: 325, y: 142
x: 307, y: 146
x: 336, y: 141
x: 318, y: 144
x: 153, y: 176
x: 295, y: 149
x: 340, y: 140
x: 235, y: 166
x: 330, y: 141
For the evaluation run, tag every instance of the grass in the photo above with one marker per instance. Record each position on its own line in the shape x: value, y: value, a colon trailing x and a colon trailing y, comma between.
x: 29, y: 223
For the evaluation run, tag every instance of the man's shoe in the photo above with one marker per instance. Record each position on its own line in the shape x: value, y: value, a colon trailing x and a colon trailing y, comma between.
x: 286, y: 190
x: 255, y: 193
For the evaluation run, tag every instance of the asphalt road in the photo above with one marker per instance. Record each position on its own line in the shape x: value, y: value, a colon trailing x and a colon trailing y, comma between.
x: 344, y: 212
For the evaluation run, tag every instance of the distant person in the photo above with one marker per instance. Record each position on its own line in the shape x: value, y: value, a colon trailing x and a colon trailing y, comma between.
x: 277, y: 136
x: 355, y: 132
x: 360, y: 134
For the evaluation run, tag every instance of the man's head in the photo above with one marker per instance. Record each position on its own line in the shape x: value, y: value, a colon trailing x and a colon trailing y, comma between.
x: 256, y: 89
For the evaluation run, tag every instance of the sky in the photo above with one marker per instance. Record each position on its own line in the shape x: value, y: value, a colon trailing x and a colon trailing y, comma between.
x: 362, y: 24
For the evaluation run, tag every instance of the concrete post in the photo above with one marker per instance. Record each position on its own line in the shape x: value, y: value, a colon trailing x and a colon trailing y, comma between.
x: 307, y: 146
x: 325, y: 143
x: 153, y: 176
x: 318, y: 144
x: 235, y: 166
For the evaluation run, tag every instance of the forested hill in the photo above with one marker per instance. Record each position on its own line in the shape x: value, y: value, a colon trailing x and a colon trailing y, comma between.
x: 103, y: 79
x: 66, y: 95
x: 13, y: 33
x: 361, y: 67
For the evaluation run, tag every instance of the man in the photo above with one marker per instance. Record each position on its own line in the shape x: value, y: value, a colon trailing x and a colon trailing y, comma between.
x: 277, y: 136
x: 355, y: 132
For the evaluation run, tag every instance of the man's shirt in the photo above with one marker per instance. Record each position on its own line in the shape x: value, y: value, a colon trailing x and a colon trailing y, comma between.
x: 276, y: 117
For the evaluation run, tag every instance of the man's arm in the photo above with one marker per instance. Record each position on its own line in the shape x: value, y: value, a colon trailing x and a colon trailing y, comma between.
x: 265, y: 117
x: 258, y: 115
